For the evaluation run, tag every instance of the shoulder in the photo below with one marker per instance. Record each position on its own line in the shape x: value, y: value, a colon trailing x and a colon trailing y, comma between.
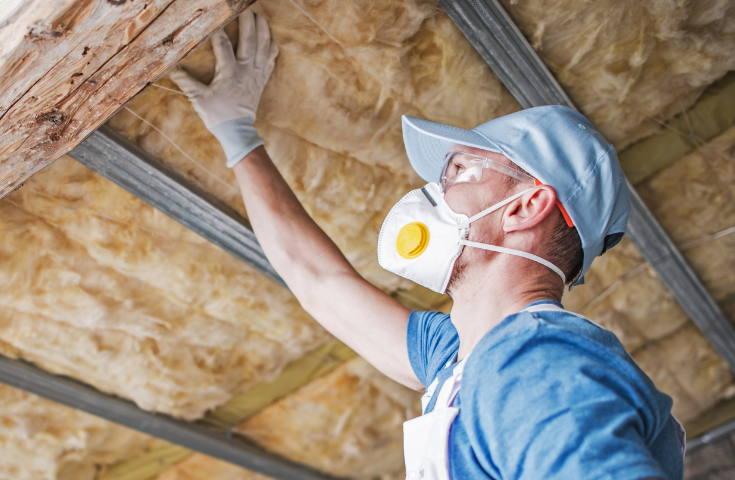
x: 553, y: 364
x: 431, y: 339
x: 547, y: 384
x: 557, y: 338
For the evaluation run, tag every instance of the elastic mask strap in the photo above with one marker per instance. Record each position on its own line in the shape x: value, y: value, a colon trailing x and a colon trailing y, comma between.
x: 493, y: 208
x: 517, y: 253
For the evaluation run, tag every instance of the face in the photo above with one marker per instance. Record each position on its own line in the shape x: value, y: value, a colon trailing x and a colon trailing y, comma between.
x: 471, y: 198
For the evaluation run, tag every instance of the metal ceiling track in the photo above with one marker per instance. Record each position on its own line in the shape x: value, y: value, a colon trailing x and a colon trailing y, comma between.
x: 712, y: 436
x: 497, y: 39
x: 140, y: 173
x: 193, y: 435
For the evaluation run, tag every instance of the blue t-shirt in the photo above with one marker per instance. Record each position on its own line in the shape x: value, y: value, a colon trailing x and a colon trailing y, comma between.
x: 546, y: 396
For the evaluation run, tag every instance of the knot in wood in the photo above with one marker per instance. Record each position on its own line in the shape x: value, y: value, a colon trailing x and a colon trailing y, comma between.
x: 54, y: 116
x: 37, y: 32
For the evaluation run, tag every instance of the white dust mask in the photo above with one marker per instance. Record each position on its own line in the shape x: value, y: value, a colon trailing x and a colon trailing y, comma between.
x: 422, y: 237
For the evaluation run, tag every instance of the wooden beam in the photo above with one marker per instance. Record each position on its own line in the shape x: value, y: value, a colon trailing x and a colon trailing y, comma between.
x: 713, y: 113
x: 66, y: 77
x: 148, y: 465
x: 721, y: 413
x: 491, y: 31
x: 297, y: 374
x: 711, y: 436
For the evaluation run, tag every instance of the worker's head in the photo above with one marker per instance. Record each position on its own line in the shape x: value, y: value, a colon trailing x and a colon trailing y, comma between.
x: 569, y: 172
x: 473, y: 179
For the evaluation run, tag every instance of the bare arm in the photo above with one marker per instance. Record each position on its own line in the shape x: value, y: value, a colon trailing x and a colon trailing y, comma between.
x: 369, y: 321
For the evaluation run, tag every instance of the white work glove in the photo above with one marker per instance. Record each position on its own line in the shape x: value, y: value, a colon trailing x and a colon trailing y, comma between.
x: 228, y: 104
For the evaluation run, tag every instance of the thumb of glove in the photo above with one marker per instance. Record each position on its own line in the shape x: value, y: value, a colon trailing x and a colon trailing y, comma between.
x: 196, y: 91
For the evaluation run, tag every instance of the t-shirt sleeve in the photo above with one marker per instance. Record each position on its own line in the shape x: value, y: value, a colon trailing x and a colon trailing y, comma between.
x: 552, y: 406
x: 432, y: 340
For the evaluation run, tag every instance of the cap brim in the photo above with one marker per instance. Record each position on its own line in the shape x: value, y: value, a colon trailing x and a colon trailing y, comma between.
x: 427, y: 143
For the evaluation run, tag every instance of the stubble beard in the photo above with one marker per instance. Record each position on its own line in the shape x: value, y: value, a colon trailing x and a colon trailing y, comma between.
x: 457, y: 278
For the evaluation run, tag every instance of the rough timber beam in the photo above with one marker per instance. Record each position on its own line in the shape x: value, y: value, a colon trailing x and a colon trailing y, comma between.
x: 137, y: 171
x: 494, y: 35
x: 63, y: 75
x: 195, y: 436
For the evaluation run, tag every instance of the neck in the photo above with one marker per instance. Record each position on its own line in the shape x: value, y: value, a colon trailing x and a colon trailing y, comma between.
x: 487, y: 295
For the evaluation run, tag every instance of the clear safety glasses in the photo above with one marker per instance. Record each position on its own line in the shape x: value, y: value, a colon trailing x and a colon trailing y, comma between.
x: 462, y: 167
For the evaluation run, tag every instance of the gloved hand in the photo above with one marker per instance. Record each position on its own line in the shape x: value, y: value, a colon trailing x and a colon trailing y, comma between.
x: 228, y: 104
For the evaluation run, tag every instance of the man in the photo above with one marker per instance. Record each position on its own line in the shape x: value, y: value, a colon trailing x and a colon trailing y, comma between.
x: 514, y: 209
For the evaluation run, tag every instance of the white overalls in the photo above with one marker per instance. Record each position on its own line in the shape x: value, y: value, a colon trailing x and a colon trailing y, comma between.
x: 426, y: 438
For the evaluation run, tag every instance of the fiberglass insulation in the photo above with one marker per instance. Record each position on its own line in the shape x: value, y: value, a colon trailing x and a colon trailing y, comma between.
x: 623, y: 61
x: 330, y: 114
x: 347, y: 424
x: 104, y: 288
x: 42, y: 440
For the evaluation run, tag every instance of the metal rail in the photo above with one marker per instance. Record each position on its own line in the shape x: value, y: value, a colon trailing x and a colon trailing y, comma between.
x: 494, y: 35
x: 193, y: 435
x: 140, y: 173
x: 712, y: 436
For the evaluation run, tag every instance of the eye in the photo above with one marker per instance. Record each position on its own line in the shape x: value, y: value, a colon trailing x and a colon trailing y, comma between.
x: 454, y: 167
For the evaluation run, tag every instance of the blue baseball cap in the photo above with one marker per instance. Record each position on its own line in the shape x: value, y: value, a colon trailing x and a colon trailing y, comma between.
x: 556, y: 145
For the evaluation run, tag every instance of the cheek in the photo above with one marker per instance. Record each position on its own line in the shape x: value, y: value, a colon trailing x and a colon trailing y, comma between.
x: 487, y: 230
x: 460, y: 200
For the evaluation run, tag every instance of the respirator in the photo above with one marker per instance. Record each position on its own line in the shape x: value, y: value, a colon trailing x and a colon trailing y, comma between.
x: 421, y: 238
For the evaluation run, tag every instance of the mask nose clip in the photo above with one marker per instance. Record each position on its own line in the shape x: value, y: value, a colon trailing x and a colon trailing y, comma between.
x: 428, y: 196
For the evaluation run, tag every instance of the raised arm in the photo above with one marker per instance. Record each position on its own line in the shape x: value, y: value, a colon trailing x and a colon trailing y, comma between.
x: 371, y: 322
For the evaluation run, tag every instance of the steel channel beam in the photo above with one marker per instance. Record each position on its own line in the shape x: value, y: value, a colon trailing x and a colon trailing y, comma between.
x: 491, y: 31
x: 219, y: 444
x: 137, y: 171
x: 711, y: 436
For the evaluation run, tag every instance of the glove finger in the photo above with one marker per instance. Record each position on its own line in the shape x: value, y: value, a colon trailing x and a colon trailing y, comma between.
x: 188, y: 84
x: 246, y: 37
x: 271, y: 60
x: 223, y: 54
x: 264, y: 41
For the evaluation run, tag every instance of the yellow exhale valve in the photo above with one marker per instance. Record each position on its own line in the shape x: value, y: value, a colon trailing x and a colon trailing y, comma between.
x: 412, y: 240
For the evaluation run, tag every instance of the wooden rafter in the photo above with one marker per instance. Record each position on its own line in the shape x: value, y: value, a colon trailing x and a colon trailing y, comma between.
x: 63, y: 78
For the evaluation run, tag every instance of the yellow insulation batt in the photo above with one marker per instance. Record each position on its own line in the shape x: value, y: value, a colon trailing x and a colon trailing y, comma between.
x: 347, y: 423
x: 694, y: 199
x: 623, y: 61
x: 42, y: 440
x: 200, y: 467
x: 348, y: 70
x: 100, y: 286
x: 330, y: 114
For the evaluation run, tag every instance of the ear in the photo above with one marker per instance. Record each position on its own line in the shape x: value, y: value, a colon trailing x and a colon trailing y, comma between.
x: 530, y: 209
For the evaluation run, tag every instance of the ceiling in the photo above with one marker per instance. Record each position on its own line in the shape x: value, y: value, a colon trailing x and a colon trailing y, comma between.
x: 101, y: 287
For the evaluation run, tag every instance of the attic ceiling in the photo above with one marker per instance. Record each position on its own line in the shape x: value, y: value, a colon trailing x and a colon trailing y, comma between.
x: 99, y: 286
